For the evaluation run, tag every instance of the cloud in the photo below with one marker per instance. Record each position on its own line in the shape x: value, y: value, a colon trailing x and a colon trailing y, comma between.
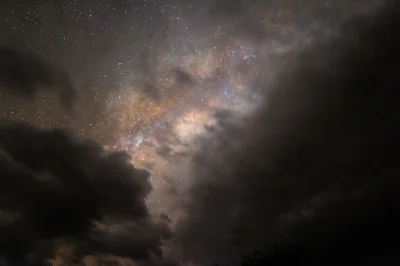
x: 316, y: 164
x: 64, y: 198
x: 183, y: 77
x: 57, y: 190
x: 235, y: 11
x: 24, y: 74
x: 150, y: 91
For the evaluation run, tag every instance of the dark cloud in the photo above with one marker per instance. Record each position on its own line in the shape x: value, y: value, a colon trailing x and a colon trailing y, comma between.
x: 227, y: 7
x: 164, y: 151
x: 183, y: 77
x: 58, y: 189
x: 155, y: 92
x: 235, y: 11
x: 150, y: 91
x: 24, y: 73
x: 316, y: 164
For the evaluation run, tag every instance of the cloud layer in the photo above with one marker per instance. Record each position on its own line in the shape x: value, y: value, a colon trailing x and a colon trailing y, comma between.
x: 24, y: 74
x: 64, y: 198
x: 57, y: 188
x: 315, y: 165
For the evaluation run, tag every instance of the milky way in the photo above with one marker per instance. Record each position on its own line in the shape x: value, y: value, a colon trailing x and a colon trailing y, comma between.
x: 152, y: 73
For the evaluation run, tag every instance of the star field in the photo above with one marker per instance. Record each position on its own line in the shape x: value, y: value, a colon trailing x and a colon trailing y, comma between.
x: 194, y: 91
x: 150, y: 73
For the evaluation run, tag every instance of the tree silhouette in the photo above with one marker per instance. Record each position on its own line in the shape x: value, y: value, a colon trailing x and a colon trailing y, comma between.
x: 277, y: 255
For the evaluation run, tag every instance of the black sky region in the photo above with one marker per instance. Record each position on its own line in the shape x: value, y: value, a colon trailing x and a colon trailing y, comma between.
x: 312, y: 165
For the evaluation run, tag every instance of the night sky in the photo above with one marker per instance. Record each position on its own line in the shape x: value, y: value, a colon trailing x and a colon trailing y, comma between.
x: 187, y: 132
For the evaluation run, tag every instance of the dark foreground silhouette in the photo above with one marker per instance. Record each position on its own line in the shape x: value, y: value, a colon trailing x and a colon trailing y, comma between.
x: 298, y: 255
